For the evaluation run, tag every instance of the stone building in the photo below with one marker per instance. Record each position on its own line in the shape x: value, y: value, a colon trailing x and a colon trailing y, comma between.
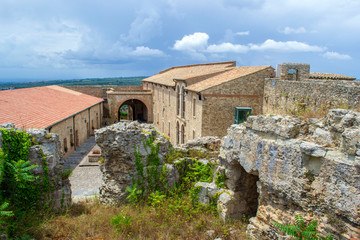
x: 70, y: 114
x: 199, y: 100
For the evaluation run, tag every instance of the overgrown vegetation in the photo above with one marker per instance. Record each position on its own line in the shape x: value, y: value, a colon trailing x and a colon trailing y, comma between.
x: 155, y: 211
x: 302, y: 229
x: 22, y: 195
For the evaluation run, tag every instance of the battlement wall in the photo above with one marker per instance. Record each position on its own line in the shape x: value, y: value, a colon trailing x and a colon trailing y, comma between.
x: 297, y: 97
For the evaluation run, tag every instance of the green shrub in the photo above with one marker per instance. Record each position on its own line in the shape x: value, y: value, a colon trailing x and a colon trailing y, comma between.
x: 21, y: 193
x: 301, y: 229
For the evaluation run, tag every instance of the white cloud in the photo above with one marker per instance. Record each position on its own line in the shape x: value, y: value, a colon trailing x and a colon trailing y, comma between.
x: 146, y: 26
x: 243, y: 33
x: 227, y: 47
x: 289, y: 30
x: 336, y: 55
x: 193, y: 42
x: 288, y: 46
x: 145, y: 51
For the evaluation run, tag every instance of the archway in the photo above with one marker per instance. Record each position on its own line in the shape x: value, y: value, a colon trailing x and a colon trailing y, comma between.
x: 134, y: 110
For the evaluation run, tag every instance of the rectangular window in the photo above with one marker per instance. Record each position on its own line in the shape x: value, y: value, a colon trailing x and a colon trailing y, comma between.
x: 194, y: 109
x: 65, y: 145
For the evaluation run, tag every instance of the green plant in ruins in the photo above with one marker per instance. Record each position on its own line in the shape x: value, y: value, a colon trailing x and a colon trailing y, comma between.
x: 301, y: 229
x: 21, y: 192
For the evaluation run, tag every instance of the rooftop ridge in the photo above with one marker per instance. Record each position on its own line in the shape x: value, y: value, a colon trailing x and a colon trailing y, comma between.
x: 200, y: 64
x: 316, y: 75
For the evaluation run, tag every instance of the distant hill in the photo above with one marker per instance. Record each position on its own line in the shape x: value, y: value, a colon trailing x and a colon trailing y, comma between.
x: 117, y: 81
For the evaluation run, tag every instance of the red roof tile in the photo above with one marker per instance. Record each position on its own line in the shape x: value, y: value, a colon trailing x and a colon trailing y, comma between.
x: 331, y: 76
x: 41, y: 107
x: 166, y: 77
x: 224, y: 77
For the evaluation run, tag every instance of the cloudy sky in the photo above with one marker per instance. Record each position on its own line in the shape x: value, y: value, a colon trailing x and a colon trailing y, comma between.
x: 67, y: 39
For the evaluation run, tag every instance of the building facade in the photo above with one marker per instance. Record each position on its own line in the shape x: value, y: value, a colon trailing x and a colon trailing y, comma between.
x: 199, y: 100
x: 72, y: 115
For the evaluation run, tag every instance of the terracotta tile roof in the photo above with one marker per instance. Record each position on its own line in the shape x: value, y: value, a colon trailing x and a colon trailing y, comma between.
x: 41, y: 107
x: 224, y: 77
x: 166, y: 77
x: 332, y: 76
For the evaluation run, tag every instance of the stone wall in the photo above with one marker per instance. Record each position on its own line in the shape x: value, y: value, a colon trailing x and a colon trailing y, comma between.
x: 284, y: 96
x: 75, y: 130
x: 281, y: 166
x: 220, y: 101
x: 117, y: 143
x: 294, y: 71
x: 49, y: 146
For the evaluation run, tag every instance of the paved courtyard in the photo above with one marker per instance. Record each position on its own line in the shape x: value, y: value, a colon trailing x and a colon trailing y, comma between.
x: 86, y: 177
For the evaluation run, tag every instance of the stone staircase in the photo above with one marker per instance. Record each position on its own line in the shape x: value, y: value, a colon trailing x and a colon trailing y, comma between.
x: 75, y: 158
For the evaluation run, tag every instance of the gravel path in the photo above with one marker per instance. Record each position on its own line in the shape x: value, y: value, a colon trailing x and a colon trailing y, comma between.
x: 86, y: 177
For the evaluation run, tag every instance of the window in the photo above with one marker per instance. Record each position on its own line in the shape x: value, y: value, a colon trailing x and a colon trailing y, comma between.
x: 169, y: 97
x: 65, y: 145
x: 182, y: 134
x: 183, y: 102
x: 241, y: 114
x: 194, y: 110
x: 71, y: 138
x: 177, y: 101
x: 177, y: 133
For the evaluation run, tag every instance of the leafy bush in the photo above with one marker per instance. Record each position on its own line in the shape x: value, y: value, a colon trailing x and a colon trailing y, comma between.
x: 22, y: 194
x: 301, y: 229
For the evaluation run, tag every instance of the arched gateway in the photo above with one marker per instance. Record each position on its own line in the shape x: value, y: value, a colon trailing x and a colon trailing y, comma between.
x: 133, y: 109
x: 130, y: 105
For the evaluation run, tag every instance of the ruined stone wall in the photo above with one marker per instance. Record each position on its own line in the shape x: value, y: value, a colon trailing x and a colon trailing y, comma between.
x: 220, y: 102
x: 298, y: 71
x: 283, y: 96
x: 281, y: 166
x: 117, y: 143
x: 50, y: 147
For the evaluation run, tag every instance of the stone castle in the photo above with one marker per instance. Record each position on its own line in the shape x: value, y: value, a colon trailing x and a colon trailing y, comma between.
x: 191, y: 101
x: 267, y: 160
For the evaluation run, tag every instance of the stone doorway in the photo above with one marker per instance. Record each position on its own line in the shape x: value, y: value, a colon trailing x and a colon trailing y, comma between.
x: 248, y: 193
x: 133, y: 110
x: 244, y: 199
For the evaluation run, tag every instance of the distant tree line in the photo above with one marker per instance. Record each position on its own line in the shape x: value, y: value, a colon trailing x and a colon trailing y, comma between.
x: 117, y: 81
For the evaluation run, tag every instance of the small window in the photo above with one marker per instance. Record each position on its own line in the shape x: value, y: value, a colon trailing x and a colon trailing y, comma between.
x: 169, y: 97
x: 241, y: 114
x: 194, y: 109
x: 65, y: 145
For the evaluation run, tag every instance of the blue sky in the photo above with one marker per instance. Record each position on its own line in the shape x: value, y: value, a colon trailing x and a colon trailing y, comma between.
x: 67, y: 39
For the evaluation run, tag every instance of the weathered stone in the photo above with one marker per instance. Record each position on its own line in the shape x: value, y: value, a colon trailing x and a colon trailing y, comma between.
x: 207, y: 192
x: 322, y: 137
x: 279, y: 173
x: 118, y: 143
